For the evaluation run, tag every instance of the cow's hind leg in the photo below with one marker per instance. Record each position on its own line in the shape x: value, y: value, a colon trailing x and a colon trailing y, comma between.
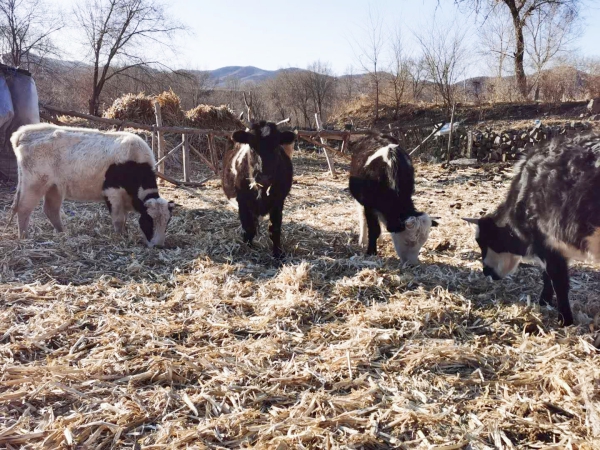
x: 276, y: 216
x: 29, y: 198
x: 374, y: 230
x: 52, y: 203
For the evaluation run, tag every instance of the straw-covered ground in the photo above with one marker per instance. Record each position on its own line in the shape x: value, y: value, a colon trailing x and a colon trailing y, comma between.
x: 211, y: 344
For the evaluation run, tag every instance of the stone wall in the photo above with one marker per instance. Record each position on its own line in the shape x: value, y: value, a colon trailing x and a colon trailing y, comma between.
x: 489, y: 144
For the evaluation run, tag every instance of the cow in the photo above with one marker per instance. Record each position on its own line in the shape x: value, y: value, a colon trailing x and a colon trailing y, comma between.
x: 60, y: 163
x: 550, y: 215
x: 382, y: 182
x: 257, y: 177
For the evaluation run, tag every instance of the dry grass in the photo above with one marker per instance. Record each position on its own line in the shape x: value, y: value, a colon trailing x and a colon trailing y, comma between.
x: 211, y: 344
x: 140, y: 108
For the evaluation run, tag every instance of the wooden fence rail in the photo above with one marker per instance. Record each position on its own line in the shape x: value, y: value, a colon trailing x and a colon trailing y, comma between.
x: 316, y: 137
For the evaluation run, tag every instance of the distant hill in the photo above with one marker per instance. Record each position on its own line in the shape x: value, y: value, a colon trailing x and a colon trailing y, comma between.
x: 245, y: 74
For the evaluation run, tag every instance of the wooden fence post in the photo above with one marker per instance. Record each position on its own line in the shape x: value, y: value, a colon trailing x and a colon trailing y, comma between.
x: 186, y: 158
x: 469, y: 144
x: 161, y: 138
x: 329, y: 161
x: 213, y: 152
x: 450, y: 135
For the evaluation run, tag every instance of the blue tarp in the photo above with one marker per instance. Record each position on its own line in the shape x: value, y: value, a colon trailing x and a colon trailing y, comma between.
x: 18, y: 106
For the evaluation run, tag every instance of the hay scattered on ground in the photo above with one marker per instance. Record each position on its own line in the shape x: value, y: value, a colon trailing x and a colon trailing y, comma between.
x: 212, y: 344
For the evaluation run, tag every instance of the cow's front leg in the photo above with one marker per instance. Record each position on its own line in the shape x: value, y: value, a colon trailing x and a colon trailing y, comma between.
x: 117, y: 211
x: 558, y: 272
x: 547, y: 296
x: 248, y: 219
x: 374, y: 230
x: 276, y: 216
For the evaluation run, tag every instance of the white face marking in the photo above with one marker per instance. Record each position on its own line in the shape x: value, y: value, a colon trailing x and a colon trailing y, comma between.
x: 158, y: 210
x: 239, y: 157
x: 143, y: 193
x: 383, y: 152
x: 408, y: 243
x: 265, y: 131
x: 504, y: 264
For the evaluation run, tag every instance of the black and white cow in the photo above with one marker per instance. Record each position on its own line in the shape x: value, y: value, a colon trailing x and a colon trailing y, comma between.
x: 550, y: 215
x: 80, y: 164
x: 257, y: 176
x: 382, y: 181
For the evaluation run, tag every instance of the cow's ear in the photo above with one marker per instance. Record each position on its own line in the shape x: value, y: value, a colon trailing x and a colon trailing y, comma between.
x: 287, y: 137
x: 243, y: 137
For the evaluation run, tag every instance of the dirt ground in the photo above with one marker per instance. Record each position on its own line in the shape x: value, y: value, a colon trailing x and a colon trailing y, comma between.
x: 211, y: 344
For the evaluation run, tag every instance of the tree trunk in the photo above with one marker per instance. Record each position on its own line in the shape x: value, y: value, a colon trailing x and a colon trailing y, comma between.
x: 519, y: 54
x: 376, y: 98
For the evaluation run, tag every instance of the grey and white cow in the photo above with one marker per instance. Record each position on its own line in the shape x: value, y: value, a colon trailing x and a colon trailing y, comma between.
x: 60, y: 163
x: 551, y: 214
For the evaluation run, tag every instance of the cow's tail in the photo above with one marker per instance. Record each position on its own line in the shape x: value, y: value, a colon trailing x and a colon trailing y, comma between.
x: 15, y: 205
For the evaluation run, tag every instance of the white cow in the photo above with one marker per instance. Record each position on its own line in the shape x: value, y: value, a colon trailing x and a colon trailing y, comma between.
x: 80, y: 164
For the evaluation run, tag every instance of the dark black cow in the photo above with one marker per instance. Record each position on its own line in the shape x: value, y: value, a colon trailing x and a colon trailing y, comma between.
x: 257, y: 175
x: 382, y: 181
x: 550, y: 215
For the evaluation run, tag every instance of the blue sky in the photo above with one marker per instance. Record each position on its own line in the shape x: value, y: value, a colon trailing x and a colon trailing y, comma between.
x: 272, y: 34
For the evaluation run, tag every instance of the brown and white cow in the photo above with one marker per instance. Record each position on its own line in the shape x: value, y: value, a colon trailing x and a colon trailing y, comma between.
x: 382, y: 181
x: 60, y: 163
x: 257, y: 176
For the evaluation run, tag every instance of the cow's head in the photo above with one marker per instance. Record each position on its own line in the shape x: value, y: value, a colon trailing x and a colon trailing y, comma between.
x: 410, y: 235
x: 154, y: 219
x: 264, y: 137
x: 501, y: 249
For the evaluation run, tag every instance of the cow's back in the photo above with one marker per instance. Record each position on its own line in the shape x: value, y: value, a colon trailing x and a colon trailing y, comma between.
x: 555, y: 190
x: 75, y: 159
x: 380, y: 171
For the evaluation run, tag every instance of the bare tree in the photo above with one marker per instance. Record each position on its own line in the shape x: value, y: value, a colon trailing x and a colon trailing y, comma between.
x: 417, y: 72
x: 116, y: 32
x: 399, y: 69
x: 347, y: 85
x: 520, y: 12
x: 321, y: 85
x: 444, y: 55
x: 300, y: 97
x: 369, y: 49
x: 25, y: 30
x: 549, y: 32
x: 497, y: 44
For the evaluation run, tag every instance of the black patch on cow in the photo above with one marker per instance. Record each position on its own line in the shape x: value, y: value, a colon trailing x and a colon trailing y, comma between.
x: 130, y: 176
x: 554, y: 195
x: 382, y: 188
x: 263, y: 180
